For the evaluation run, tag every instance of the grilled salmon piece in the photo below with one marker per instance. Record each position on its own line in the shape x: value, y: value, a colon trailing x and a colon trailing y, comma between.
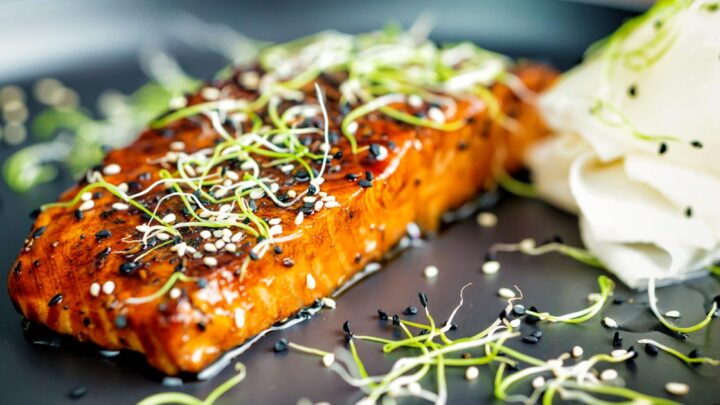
x: 76, y: 272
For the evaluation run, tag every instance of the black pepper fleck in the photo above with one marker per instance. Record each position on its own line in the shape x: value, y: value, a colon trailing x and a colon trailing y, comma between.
x: 56, y: 299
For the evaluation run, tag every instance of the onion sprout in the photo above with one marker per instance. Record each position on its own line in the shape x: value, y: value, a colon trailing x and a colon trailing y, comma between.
x: 167, y: 398
x: 686, y: 359
x: 652, y: 302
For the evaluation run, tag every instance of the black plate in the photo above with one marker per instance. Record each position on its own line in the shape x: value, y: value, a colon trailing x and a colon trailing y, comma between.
x: 93, y: 47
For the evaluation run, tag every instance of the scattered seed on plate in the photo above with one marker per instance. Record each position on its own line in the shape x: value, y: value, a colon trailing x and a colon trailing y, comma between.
x: 609, y: 322
x: 618, y: 353
x: 310, y: 282
x: 487, y: 219
x: 328, y: 302
x: 431, y: 271
x: 328, y: 360
x: 538, y: 382
x: 210, y: 261
x: 491, y: 267
x: 87, y: 205
x: 112, y: 169
x: 472, y: 373
x: 108, y: 287
x: 672, y: 314
x: 175, y: 293
x: 120, y: 206
x: 515, y: 323
x: 609, y: 375
x: 577, y: 351
x: 95, y: 289
x: 506, y: 293
x: 677, y: 388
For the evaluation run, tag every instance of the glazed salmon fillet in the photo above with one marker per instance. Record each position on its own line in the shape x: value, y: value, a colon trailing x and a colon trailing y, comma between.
x: 168, y: 277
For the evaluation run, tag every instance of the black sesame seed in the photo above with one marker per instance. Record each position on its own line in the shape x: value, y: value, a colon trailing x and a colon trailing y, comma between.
x: 253, y: 255
x: 375, y: 149
x: 688, y: 212
x: 663, y: 148
x: 277, y: 249
x: 411, y: 310
x: 632, y: 91
x: 35, y: 213
x: 382, y: 315
x: 532, y: 319
x: 518, y: 310
x: 651, y: 349
x: 617, y: 340
x: 287, y: 262
x: 351, y: 176
x: 121, y: 321
x: 102, y: 235
x: 346, y: 327
x: 396, y: 320
x: 77, y: 392
x: 530, y: 340
x: 365, y: 184
x: 78, y: 214
x: 537, y: 334
x: 56, y: 299
x: 312, y: 190
x: 39, y: 231
x: 694, y: 354
x: 423, y: 299
x: 368, y: 175
x: 696, y: 144
x: 618, y: 300
x: 202, y: 283
x: 128, y: 267
x: 338, y: 155
x: 502, y: 315
x: 453, y: 325
x: 280, y: 346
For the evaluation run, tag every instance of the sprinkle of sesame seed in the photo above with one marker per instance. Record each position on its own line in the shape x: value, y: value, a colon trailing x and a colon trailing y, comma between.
x: 210, y: 261
x: 577, y: 351
x: 237, y: 237
x: 487, y: 219
x: 112, y: 169
x: 210, y: 247
x: 672, y: 314
x: 175, y: 293
x: 310, y: 282
x: 506, y: 293
x: 538, y: 382
x: 205, y: 234
x: 219, y: 244
x: 609, y: 323
x: 95, y: 289
x: 118, y: 206
x: 677, y: 388
x: 472, y: 373
x: 108, y: 287
x: 663, y: 148
x: 274, y: 221
x: 257, y: 193
x: 180, y: 249
x: 515, y: 323
x: 299, y: 218
x: 328, y: 302
x: 436, y: 115
x: 210, y: 93
x: 332, y: 204
x: 328, y: 360
x: 56, y: 299
x: 594, y: 297
x: 431, y: 271
x: 169, y: 218
x: 352, y: 127
x: 618, y: 353
x: 86, y: 196
x: 609, y: 375
x: 239, y: 318
x: 364, y: 183
x: 280, y: 346
x: 696, y: 144
x: 527, y: 245
x: 162, y: 236
x: 177, y: 146
x: 87, y: 205
x: 491, y: 267
x: 231, y: 247
x: 415, y: 101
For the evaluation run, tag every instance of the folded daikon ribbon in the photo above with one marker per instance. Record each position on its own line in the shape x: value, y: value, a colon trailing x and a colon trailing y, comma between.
x: 636, y: 152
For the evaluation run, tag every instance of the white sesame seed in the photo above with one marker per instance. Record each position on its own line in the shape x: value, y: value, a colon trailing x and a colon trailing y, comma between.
x: 239, y: 318
x: 169, y: 218
x: 274, y: 187
x: 383, y: 153
x: 232, y: 175
x: 108, y: 287
x: 506, y: 293
x: 352, y: 127
x: 86, y: 196
x: 618, y: 353
x: 225, y: 208
x: 594, y: 297
x: 177, y: 146
x: 210, y: 93
x: 292, y: 193
x: 256, y: 193
x: 318, y: 205
x: 487, y: 219
x: 162, y: 236
x: 250, y: 80
x: 609, y: 375
x: 209, y: 247
x: 218, y: 233
x: 610, y: 323
x: 332, y: 204
x: 205, y: 214
x: 491, y: 267
x: 329, y: 303
x: 414, y: 388
x: 175, y: 293
x: 577, y: 351
x: 219, y: 244
x: 120, y: 206
x: 177, y: 103
x: 95, y: 289
x: 299, y: 218
x: 309, y: 199
x: 237, y: 237
x: 286, y: 168
x: 123, y: 187
x: 431, y: 272
x: 515, y: 323
x: 87, y: 205
x: 210, y: 261
x: 328, y: 360
x: 672, y: 314
x: 205, y: 234
x: 274, y: 221
x: 415, y: 101
x: 538, y: 382
x: 112, y: 169
x: 677, y: 388
x: 436, y: 115
x: 231, y: 247
x: 472, y: 373
x: 310, y: 282
x: 275, y: 230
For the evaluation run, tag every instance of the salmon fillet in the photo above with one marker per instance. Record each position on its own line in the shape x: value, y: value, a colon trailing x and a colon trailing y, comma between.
x: 76, y: 272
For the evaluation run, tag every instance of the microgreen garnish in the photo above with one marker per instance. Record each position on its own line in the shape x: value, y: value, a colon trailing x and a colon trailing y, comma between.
x: 529, y: 247
x: 652, y: 302
x: 683, y: 357
x: 166, y: 398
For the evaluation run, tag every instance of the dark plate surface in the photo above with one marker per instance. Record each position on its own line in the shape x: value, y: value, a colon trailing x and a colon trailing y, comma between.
x: 93, y: 47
